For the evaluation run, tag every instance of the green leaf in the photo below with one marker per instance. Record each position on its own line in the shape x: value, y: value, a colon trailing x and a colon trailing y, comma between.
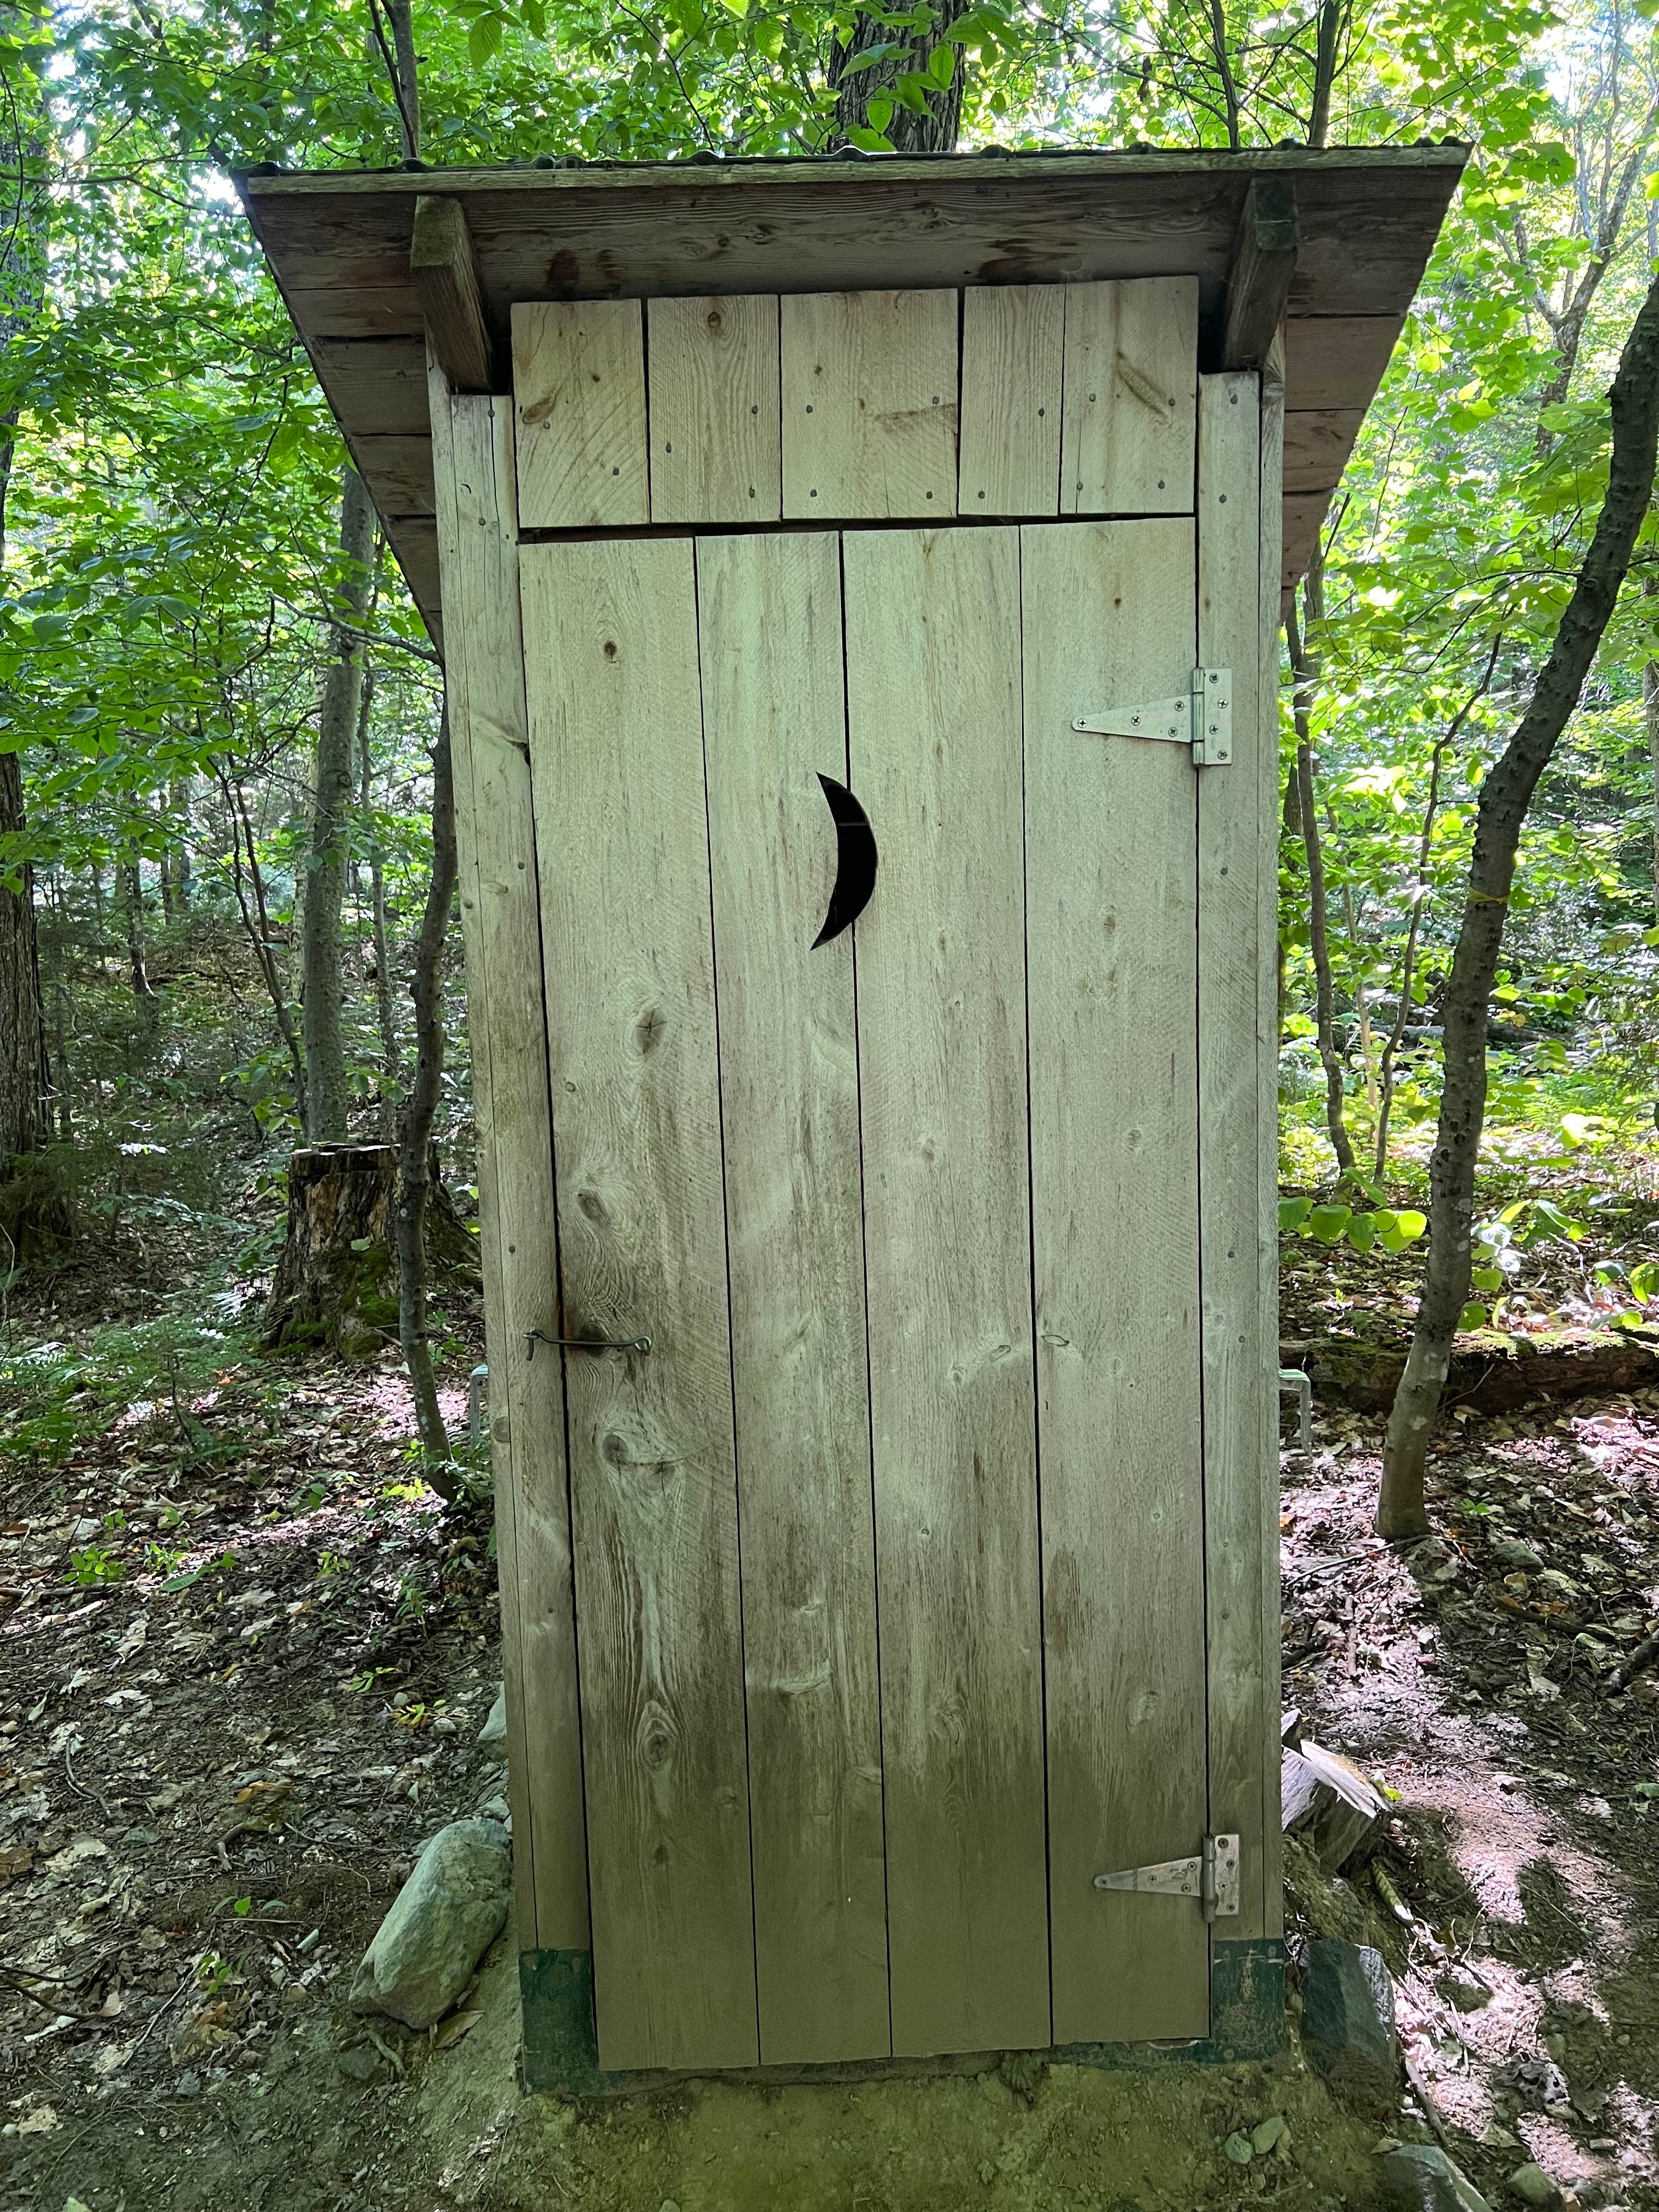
x: 1473, y: 1315
x: 1362, y: 1231
x: 1292, y: 1213
x: 871, y: 141
x: 942, y: 65
x: 482, y: 40
x: 1486, y: 1278
x: 880, y: 112
x: 1328, y: 1223
x: 1644, y: 1280
x: 1397, y: 1230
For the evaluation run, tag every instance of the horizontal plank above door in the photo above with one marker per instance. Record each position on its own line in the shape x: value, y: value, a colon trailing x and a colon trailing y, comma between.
x: 869, y: 406
x: 579, y: 388
x: 713, y: 407
x: 1129, y: 440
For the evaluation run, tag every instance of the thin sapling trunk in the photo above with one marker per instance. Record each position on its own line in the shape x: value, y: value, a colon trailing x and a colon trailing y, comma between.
x: 1505, y: 797
x: 1305, y: 670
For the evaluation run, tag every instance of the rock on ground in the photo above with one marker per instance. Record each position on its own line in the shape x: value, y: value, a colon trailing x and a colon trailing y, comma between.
x: 444, y: 1918
x: 492, y: 1736
x: 1422, y: 2177
x: 1347, y: 2016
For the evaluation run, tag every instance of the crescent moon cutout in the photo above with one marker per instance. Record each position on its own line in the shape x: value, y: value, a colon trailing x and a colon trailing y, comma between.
x: 855, y: 861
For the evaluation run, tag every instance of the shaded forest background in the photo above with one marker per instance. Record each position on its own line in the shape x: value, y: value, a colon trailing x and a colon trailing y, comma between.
x: 220, y: 715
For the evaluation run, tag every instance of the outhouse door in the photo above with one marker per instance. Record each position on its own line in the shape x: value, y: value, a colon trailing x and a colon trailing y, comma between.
x: 889, y: 1553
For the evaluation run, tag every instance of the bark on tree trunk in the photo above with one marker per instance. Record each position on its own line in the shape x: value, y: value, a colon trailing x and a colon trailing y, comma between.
x: 130, y: 889
x: 322, y: 983
x: 935, y: 131
x: 391, y: 1076
x: 333, y: 1283
x: 1306, y: 671
x: 415, y: 1131
x: 1505, y: 796
x: 24, y: 1077
x: 1651, y: 709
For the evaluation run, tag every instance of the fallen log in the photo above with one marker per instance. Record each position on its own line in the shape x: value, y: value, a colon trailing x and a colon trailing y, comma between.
x: 1327, y: 1799
x: 1490, y: 1372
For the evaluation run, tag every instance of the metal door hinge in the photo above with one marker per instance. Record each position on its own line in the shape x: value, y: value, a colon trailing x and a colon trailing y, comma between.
x: 1212, y: 1877
x: 1202, y: 718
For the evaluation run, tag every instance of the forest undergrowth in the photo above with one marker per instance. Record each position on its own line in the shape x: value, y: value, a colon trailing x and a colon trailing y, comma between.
x: 247, y: 1656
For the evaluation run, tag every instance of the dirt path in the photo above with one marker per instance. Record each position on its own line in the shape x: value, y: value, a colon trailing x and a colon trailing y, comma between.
x: 218, y: 1760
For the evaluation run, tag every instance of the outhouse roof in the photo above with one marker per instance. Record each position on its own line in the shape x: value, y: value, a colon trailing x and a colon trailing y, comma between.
x: 1367, y: 218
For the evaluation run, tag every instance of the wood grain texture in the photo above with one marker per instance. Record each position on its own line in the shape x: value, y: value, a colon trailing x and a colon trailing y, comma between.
x: 869, y: 405
x: 578, y: 385
x: 716, y: 430
x: 621, y: 840
x: 398, y: 473
x: 1131, y: 396
x: 1240, y: 1368
x: 1013, y: 343
x: 495, y: 841
x: 933, y: 656
x: 379, y: 384
x: 1302, y: 519
x: 414, y: 540
x: 1264, y: 264
x: 773, y: 717
x: 1317, y: 444
x: 1111, y: 899
x: 445, y: 273
x: 1267, y: 1062
x: 1337, y: 360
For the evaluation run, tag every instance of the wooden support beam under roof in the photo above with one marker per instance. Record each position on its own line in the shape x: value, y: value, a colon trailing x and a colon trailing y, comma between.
x: 340, y: 246
x: 1264, y: 263
x: 445, y: 273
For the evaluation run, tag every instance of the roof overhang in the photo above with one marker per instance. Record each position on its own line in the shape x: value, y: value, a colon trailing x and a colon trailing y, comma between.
x: 1366, y: 221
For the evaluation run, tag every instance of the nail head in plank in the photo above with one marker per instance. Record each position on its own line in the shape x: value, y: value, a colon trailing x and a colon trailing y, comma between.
x: 869, y: 405
x: 933, y: 652
x: 714, y: 410
x: 1131, y: 397
x: 446, y: 274
x: 1111, y: 893
x: 1013, y: 339
x: 578, y: 390
x: 1264, y: 263
x: 774, y: 718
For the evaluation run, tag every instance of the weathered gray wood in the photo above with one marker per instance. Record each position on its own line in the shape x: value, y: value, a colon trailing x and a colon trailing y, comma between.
x: 1303, y: 518
x: 623, y: 851
x: 446, y: 274
x: 933, y: 659
x: 377, y: 384
x: 1337, y: 360
x: 1317, y: 444
x: 1264, y: 264
x: 398, y: 473
x: 713, y: 407
x: 1112, y: 934
x: 496, y: 840
x: 579, y: 387
x: 869, y: 405
x: 414, y: 539
x: 1239, y: 1381
x: 1131, y: 397
x: 1267, y: 1060
x: 1013, y: 340
x: 774, y: 716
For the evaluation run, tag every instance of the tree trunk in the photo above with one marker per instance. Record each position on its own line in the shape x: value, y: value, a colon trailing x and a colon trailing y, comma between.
x: 415, y: 1132
x: 1305, y: 670
x: 391, y: 1076
x: 333, y: 1282
x: 1505, y: 796
x: 1650, y: 707
x: 322, y: 987
x: 24, y: 1077
x: 935, y: 131
x: 130, y: 889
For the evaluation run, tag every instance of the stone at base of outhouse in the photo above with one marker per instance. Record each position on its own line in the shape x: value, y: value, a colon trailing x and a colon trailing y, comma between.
x: 560, y: 2055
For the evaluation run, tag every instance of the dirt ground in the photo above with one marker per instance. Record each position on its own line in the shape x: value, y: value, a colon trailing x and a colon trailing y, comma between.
x: 219, y: 1758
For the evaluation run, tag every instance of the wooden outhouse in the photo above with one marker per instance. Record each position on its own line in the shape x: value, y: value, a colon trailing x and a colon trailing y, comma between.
x: 858, y: 583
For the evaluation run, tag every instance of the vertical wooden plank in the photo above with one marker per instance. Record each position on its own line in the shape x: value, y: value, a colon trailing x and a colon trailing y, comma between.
x: 1112, y: 924
x: 773, y: 717
x: 933, y: 661
x: 1267, y: 819
x: 869, y: 405
x: 714, y: 425
x: 1237, y: 1380
x: 1012, y: 350
x: 477, y: 530
x: 579, y: 387
x: 615, y: 742
x: 1131, y: 398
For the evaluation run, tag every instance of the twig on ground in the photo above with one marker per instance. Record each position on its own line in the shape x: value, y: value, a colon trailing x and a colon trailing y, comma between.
x: 1627, y: 1669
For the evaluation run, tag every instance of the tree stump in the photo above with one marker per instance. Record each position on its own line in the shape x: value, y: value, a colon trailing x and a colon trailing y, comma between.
x: 335, y: 1282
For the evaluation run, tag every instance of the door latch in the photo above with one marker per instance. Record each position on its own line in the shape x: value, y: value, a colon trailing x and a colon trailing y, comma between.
x: 1211, y: 1877
x: 1201, y: 717
x: 533, y: 1337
